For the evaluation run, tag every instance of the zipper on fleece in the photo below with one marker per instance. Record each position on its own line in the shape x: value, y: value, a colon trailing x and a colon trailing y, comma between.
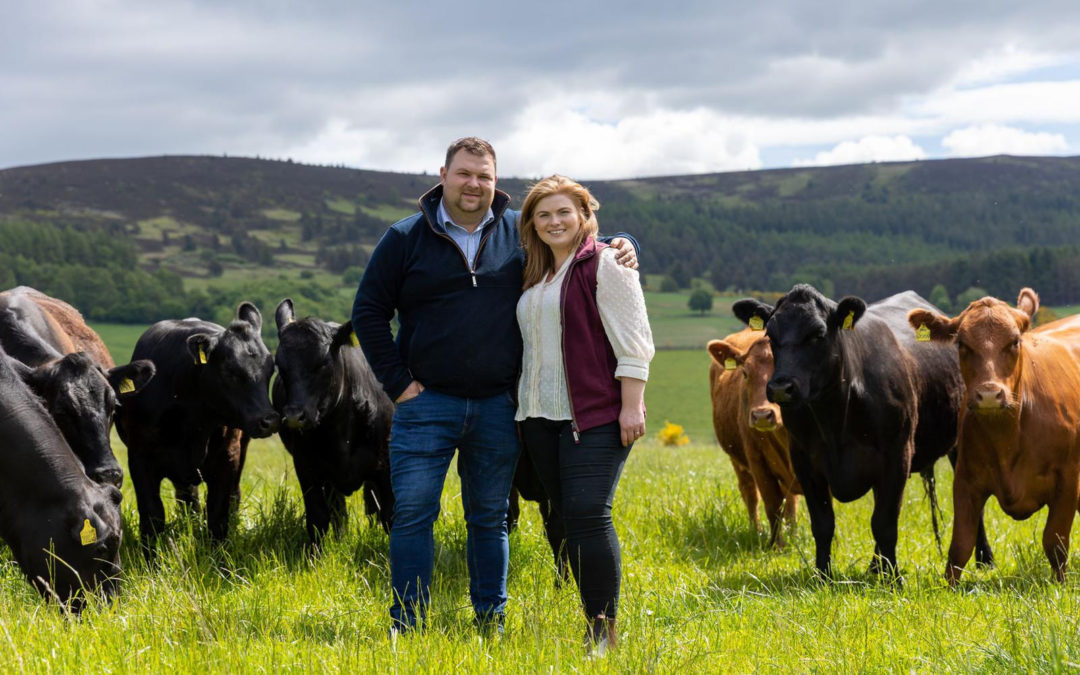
x: 479, y: 247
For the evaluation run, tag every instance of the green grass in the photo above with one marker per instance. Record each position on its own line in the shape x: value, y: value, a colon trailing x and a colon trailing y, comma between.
x: 700, y: 591
x: 675, y: 326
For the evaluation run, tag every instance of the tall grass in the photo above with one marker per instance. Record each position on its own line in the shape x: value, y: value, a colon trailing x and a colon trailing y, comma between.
x: 701, y: 592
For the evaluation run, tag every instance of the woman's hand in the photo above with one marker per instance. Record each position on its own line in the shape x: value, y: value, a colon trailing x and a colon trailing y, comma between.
x: 632, y: 415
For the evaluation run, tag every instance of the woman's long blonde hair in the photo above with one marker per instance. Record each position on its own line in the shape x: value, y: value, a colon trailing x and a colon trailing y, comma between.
x: 539, y: 260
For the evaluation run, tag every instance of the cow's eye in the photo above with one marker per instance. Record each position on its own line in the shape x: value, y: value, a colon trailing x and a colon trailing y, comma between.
x: 1014, y: 345
x: 963, y: 349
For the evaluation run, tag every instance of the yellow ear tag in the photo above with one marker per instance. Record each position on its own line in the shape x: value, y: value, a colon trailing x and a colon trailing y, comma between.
x: 202, y: 355
x: 354, y: 340
x: 126, y: 386
x: 729, y: 364
x: 922, y: 333
x: 757, y: 323
x: 88, y: 533
x: 849, y: 320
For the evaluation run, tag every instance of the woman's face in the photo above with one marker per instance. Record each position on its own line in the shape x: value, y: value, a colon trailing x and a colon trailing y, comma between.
x: 558, y: 222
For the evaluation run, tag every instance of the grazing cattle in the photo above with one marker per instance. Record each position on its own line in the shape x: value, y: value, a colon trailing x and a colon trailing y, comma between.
x: 63, y: 529
x: 865, y: 405
x: 1020, y: 422
x: 193, y: 421
x: 335, y: 420
x: 724, y: 390
x: 72, y: 373
x: 527, y: 486
x: 761, y: 428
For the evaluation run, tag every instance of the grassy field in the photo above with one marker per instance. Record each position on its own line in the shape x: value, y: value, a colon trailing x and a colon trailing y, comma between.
x: 701, y: 593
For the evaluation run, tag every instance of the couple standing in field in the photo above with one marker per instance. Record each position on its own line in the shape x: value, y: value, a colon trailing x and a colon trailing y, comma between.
x: 463, y: 279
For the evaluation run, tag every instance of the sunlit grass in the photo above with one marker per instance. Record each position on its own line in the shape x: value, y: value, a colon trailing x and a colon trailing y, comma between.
x: 700, y: 593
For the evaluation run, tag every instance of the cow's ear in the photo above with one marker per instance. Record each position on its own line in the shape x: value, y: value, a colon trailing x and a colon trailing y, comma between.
x: 200, y: 345
x: 725, y: 354
x: 932, y: 326
x: 250, y: 313
x: 1028, y: 302
x: 752, y: 312
x: 344, y: 337
x: 847, y: 313
x: 130, y: 378
x: 284, y: 314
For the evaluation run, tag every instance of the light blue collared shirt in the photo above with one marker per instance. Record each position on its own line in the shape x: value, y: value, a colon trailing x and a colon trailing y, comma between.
x: 468, y: 242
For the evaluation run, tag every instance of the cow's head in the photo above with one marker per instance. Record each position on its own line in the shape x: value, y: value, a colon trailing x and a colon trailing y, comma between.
x: 82, y: 397
x: 989, y: 337
x: 755, y: 365
x: 310, y: 379
x: 234, y: 369
x: 77, y: 550
x: 804, y: 332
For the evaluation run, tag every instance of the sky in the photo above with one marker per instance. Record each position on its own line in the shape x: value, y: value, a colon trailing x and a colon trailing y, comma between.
x: 593, y: 90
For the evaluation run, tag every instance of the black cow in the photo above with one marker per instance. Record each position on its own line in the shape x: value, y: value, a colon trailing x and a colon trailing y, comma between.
x: 193, y: 421
x: 335, y: 420
x: 80, y: 393
x: 865, y: 404
x: 63, y: 529
x: 527, y: 486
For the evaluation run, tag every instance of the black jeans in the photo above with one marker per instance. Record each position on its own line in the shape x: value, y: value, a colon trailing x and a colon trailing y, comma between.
x: 580, y: 480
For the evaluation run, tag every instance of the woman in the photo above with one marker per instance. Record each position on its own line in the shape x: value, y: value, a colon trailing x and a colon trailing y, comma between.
x: 580, y: 398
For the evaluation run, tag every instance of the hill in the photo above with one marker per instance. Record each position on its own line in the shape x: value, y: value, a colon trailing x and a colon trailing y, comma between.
x: 210, y: 227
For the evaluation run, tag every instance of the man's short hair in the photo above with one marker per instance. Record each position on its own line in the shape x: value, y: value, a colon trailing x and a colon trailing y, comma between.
x: 473, y: 146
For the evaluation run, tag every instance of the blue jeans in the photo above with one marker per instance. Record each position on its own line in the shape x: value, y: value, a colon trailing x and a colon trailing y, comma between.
x: 425, y: 432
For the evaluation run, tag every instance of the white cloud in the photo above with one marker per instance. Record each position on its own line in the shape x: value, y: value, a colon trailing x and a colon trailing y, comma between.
x: 1034, y: 102
x: 867, y: 149
x: 990, y: 139
x: 548, y: 138
x: 1005, y: 62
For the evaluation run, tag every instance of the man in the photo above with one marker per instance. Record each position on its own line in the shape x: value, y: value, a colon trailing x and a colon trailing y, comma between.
x: 453, y: 273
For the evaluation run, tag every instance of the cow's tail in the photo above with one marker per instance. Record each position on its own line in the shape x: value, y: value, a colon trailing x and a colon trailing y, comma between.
x: 930, y: 485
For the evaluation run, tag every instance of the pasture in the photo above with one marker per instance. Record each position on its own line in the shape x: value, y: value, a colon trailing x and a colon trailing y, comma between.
x: 700, y: 591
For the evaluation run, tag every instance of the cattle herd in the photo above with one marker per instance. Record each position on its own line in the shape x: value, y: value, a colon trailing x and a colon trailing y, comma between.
x: 814, y: 397
x: 838, y: 399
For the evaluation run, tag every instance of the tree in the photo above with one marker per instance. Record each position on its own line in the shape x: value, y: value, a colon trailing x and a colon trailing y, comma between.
x: 969, y: 296
x: 700, y: 301
x: 939, y: 297
x: 668, y: 285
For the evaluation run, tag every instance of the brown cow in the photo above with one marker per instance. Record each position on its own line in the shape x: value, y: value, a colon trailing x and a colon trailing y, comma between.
x: 1020, y: 422
x: 724, y: 389
x: 763, y: 438
x: 59, y: 324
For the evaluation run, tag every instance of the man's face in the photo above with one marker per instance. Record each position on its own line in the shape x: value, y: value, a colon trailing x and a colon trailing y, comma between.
x: 468, y: 186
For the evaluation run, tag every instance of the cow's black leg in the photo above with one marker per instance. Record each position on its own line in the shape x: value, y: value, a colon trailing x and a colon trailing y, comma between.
x: 556, y: 536
x: 383, y: 495
x: 819, y: 505
x: 147, y: 483
x: 187, y: 498
x: 513, y: 512
x: 316, y: 510
x: 884, y: 523
x: 335, y: 502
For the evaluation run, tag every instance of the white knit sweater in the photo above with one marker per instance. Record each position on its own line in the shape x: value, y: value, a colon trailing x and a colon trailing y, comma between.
x: 542, y: 388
